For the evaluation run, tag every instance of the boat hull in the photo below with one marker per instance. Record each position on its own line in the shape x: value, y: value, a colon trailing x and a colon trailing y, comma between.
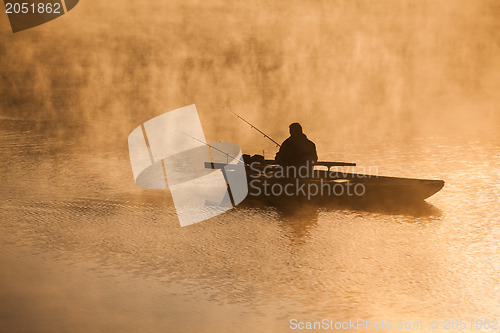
x: 342, y: 187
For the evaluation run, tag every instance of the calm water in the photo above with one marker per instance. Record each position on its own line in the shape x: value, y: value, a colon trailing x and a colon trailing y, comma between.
x: 82, y: 248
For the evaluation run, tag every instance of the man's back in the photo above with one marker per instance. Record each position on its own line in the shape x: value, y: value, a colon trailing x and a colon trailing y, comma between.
x: 297, y: 149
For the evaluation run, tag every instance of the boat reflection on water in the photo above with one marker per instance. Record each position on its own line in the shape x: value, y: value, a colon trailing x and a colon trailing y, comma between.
x: 298, y: 218
x: 297, y: 207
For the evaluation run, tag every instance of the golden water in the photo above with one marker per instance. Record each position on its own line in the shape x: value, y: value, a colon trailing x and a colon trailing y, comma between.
x: 410, y: 88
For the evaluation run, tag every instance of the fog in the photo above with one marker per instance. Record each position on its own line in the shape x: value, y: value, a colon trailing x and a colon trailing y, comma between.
x: 347, y: 70
x: 376, y: 82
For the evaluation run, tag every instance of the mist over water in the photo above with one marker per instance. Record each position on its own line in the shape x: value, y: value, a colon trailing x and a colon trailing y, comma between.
x: 409, y: 87
x: 347, y: 70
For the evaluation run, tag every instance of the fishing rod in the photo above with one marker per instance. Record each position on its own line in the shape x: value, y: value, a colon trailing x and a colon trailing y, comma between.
x: 212, y: 147
x: 270, y: 162
x: 258, y: 130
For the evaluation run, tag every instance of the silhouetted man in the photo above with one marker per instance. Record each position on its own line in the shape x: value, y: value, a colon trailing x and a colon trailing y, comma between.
x: 297, y: 150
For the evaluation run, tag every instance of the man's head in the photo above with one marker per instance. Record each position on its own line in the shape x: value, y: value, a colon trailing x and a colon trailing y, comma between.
x: 295, y: 129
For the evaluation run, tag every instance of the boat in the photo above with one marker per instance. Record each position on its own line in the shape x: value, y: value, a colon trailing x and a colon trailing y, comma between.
x: 270, y: 182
